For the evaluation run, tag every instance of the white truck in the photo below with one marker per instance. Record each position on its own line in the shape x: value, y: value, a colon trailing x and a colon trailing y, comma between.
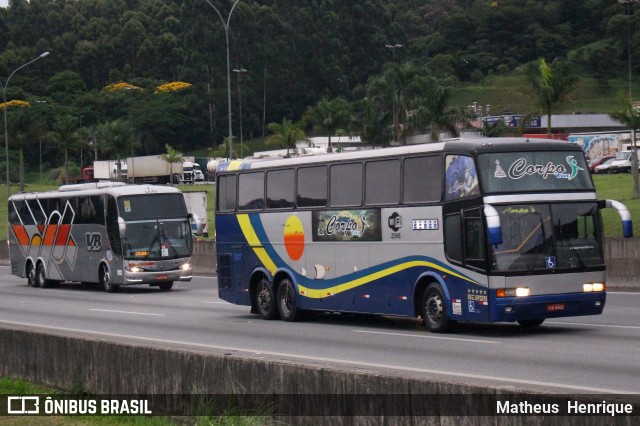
x: 197, y: 205
x: 155, y: 169
x: 108, y: 170
x: 196, y: 172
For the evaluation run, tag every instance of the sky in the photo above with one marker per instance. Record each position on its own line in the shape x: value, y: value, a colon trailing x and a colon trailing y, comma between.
x: 3, y: 3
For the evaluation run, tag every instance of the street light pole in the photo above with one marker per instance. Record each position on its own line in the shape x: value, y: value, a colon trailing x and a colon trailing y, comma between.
x: 240, y: 72
x: 225, y: 24
x: 393, y: 48
x: 628, y: 3
x: 396, y: 133
x: 4, y: 100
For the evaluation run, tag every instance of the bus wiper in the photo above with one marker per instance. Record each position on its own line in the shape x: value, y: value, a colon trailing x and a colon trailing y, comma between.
x: 539, y: 247
x: 166, y: 240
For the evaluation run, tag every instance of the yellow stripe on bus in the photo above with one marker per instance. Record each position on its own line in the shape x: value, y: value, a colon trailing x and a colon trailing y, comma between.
x: 320, y: 293
x: 254, y: 242
x: 234, y: 165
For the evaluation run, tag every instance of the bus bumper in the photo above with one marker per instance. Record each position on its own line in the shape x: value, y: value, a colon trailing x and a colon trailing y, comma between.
x: 546, y: 306
x: 185, y: 273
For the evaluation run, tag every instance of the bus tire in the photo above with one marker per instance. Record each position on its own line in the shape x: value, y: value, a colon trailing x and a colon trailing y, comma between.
x: 287, y: 302
x: 530, y: 323
x: 105, y: 280
x: 41, y: 278
x: 434, y: 310
x: 32, y: 280
x: 166, y: 286
x: 266, y: 300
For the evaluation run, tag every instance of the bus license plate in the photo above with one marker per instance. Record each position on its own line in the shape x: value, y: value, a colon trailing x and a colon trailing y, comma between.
x: 162, y: 277
x: 553, y: 307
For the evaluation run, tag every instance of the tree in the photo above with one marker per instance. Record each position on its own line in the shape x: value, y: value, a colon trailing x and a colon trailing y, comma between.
x: 629, y: 115
x: 172, y: 156
x: 549, y: 85
x: 117, y: 138
x: 66, y: 137
x: 286, y: 134
x: 430, y: 109
x: 328, y: 116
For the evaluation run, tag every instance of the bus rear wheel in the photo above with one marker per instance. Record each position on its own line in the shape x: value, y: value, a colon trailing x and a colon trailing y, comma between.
x: 105, y: 280
x: 32, y: 279
x: 265, y: 300
x: 287, y: 302
x: 434, y: 310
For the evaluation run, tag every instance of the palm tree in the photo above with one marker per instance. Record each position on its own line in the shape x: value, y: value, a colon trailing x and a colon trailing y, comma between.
x: 286, y: 134
x: 118, y: 138
x: 328, y: 116
x: 172, y: 156
x: 66, y: 137
x: 430, y: 110
x: 629, y: 115
x: 550, y: 85
x: 395, y: 90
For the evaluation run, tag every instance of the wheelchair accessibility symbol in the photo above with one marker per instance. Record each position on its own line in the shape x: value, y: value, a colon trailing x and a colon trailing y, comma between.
x: 550, y: 262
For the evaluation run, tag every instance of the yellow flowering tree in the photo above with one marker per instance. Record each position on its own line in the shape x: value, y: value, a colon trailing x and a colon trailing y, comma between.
x: 15, y: 102
x: 115, y: 87
x: 172, y: 87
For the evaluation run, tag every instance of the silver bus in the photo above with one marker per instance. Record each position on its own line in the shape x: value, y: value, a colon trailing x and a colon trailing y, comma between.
x: 107, y: 233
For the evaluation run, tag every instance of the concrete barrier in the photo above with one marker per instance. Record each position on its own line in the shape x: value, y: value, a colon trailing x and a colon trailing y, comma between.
x: 304, y: 392
x: 622, y: 256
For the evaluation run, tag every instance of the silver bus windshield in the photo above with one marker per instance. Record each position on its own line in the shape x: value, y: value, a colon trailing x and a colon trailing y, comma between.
x: 545, y: 237
x: 158, y: 239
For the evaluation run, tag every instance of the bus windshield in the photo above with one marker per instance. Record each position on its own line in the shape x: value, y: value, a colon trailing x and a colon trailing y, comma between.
x: 545, y: 237
x: 149, y: 206
x: 534, y: 171
x: 157, y: 239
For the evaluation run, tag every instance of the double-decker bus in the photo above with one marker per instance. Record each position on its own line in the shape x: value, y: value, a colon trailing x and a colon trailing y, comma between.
x: 107, y: 233
x: 465, y: 230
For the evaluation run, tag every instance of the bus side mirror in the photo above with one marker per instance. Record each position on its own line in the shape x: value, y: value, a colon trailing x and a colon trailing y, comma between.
x: 494, y: 229
x: 122, y: 227
x: 625, y: 215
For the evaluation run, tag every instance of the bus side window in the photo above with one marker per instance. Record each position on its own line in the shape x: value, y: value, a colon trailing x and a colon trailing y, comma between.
x: 226, y: 193
x: 112, y: 226
x: 312, y: 187
x: 346, y: 185
x: 453, y: 237
x: 251, y: 191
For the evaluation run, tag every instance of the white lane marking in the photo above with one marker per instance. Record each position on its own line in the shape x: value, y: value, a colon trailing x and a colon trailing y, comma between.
x: 427, y: 336
x: 220, y: 303
x: 633, y: 327
x: 127, y: 312
x: 338, y: 361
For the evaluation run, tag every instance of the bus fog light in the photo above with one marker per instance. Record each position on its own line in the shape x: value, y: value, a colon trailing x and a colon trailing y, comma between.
x: 508, y: 309
x: 598, y: 303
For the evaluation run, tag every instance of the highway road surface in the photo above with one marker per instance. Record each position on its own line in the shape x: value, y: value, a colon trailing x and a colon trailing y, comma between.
x: 598, y: 354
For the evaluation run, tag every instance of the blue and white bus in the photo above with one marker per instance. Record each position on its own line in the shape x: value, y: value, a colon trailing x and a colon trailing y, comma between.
x: 467, y: 230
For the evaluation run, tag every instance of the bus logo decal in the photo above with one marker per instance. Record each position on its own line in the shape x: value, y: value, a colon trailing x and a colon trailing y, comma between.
x: 347, y: 225
x: 94, y: 241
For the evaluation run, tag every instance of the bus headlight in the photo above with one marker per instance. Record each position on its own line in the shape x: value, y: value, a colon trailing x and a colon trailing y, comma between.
x: 131, y: 268
x: 511, y: 292
x: 186, y: 266
x: 589, y: 287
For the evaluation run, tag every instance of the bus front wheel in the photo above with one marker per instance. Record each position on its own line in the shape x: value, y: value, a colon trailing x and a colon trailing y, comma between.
x: 105, y: 280
x: 166, y: 286
x: 530, y: 323
x: 265, y: 300
x: 287, y: 306
x: 434, y: 310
